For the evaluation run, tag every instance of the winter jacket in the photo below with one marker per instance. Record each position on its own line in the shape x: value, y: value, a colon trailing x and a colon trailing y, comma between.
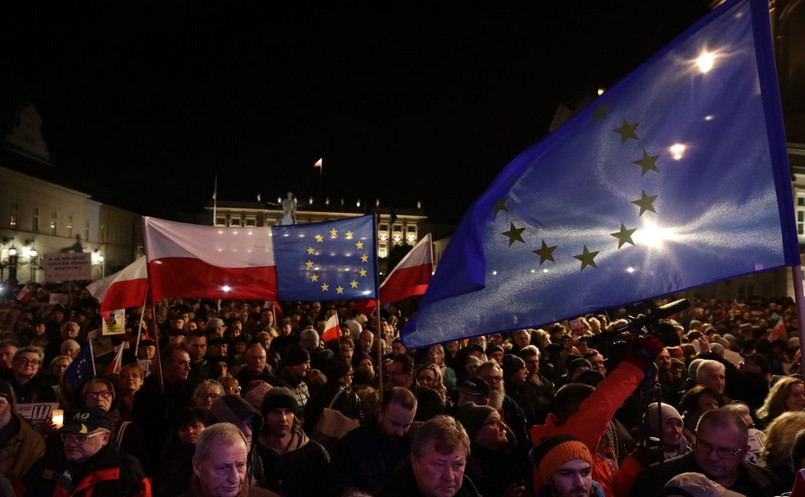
x: 299, y: 472
x: 106, y: 474
x: 405, y: 485
x: 752, y: 481
x: 366, y: 459
x: 20, y: 447
x: 590, y: 422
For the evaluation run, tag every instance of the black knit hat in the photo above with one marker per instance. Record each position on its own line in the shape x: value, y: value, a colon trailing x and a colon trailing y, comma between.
x: 7, y: 391
x: 511, y: 365
x: 295, y: 355
x: 279, y: 397
x: 472, y: 417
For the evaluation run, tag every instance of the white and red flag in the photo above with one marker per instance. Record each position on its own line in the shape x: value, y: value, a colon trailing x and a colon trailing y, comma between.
x: 190, y: 260
x: 409, y: 278
x: 319, y: 163
x: 412, y: 274
x: 126, y: 288
x: 334, y: 260
x: 117, y: 362
x: 331, y: 329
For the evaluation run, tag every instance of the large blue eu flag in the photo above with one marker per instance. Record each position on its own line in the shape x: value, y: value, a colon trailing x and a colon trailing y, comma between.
x: 675, y: 177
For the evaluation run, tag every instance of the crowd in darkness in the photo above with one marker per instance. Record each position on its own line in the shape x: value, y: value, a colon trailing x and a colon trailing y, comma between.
x: 226, y: 398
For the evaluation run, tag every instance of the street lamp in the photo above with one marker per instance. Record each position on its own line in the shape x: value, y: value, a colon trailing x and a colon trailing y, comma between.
x: 12, y: 263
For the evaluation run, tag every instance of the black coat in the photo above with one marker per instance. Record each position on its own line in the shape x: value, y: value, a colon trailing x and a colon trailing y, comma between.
x: 107, y: 473
x: 300, y: 472
x: 366, y: 459
x: 404, y: 485
x: 753, y: 481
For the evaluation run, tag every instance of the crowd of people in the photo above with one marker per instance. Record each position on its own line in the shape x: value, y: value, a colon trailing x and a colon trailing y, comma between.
x: 232, y: 398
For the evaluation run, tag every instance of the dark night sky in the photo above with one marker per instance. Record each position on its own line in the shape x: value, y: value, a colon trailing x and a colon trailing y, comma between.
x: 405, y: 101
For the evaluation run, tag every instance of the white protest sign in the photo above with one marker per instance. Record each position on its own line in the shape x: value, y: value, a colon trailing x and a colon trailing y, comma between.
x: 67, y: 266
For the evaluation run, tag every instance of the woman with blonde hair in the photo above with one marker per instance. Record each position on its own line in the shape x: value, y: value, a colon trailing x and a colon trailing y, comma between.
x: 788, y: 394
x: 430, y: 376
x: 780, y: 436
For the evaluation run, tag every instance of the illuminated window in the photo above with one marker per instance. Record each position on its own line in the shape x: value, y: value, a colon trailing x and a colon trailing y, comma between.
x: 54, y: 223
x: 35, y: 220
x: 70, y: 225
x: 801, y: 215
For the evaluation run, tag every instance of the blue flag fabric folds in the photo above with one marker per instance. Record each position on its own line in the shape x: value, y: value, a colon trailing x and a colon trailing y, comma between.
x: 80, y: 369
x: 675, y: 177
x: 335, y: 260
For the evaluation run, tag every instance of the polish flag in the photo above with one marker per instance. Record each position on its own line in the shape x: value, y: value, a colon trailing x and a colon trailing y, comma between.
x: 412, y: 274
x: 124, y: 289
x: 117, y: 362
x: 331, y: 329
x: 319, y: 163
x: 189, y: 260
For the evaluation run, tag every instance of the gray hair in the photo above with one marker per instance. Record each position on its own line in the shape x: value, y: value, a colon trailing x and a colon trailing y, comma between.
x: 445, y: 432
x: 30, y: 348
x: 208, y: 383
x: 707, y: 366
x: 226, y: 433
x: 311, y: 335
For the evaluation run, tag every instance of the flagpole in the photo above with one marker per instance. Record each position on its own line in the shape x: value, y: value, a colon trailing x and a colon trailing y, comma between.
x: 158, y: 371
x: 214, y: 203
x: 92, y: 356
x: 140, y: 329
x: 796, y: 272
x: 377, y: 311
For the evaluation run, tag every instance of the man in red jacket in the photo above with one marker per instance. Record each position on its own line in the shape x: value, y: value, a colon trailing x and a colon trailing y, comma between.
x: 585, y: 412
x: 86, y: 463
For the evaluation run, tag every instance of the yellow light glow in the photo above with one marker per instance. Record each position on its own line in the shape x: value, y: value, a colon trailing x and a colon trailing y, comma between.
x: 601, y: 91
x: 709, y: 118
x: 677, y: 151
x: 652, y: 235
x: 705, y: 61
x: 630, y: 269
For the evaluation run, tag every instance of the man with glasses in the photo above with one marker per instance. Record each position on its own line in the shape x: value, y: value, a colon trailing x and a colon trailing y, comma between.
x: 401, y: 374
x: 721, y: 446
x: 256, y: 367
x: 86, y: 463
x: 25, y: 379
x: 509, y: 409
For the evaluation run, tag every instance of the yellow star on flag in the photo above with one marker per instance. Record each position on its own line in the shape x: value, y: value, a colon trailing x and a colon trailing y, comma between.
x: 333, y: 232
x: 587, y: 258
x: 364, y: 258
x: 325, y: 287
x: 314, y: 277
x: 359, y: 245
x: 362, y: 272
x: 309, y: 264
x: 349, y: 235
x: 310, y: 251
x: 319, y: 239
x: 627, y: 131
x: 339, y: 289
x: 353, y: 284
